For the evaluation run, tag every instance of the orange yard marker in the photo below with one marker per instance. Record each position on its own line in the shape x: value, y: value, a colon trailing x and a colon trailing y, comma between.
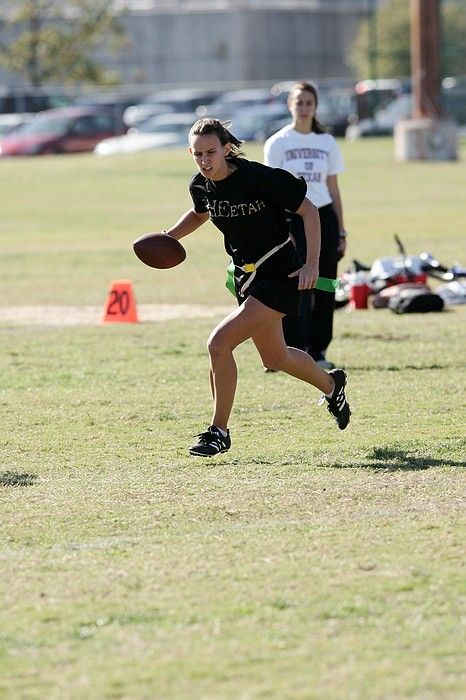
x: 120, y: 306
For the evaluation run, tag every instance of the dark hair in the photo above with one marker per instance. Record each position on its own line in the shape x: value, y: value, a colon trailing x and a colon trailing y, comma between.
x: 208, y: 125
x: 316, y: 125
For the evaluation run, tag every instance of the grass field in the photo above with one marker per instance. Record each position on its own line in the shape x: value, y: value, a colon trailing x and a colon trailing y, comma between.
x: 306, y: 563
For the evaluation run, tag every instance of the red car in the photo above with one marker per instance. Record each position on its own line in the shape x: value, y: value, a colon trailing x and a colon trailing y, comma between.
x: 65, y: 130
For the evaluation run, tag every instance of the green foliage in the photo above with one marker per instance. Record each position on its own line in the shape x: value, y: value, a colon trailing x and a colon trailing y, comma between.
x: 454, y: 40
x: 386, y: 40
x: 56, y: 41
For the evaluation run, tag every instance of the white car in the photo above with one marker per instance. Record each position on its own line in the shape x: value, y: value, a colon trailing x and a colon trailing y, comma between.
x: 225, y: 106
x: 384, y: 120
x: 157, y: 132
x: 179, y: 101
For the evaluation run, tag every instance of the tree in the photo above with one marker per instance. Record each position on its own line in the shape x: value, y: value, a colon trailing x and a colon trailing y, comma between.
x: 54, y: 41
x: 392, y: 49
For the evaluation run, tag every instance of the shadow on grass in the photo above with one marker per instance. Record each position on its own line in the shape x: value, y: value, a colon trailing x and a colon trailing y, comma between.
x: 397, y: 368
x: 391, y: 460
x: 15, y: 479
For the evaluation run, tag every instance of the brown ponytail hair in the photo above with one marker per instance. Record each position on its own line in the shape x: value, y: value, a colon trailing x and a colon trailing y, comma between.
x: 317, y: 127
x: 208, y: 125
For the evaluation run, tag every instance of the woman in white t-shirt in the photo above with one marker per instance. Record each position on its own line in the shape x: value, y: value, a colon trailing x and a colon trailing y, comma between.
x: 304, y: 148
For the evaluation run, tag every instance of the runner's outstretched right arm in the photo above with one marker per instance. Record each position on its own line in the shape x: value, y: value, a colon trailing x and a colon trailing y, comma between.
x: 186, y: 224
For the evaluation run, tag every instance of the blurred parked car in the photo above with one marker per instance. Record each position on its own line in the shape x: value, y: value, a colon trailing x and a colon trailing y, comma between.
x: 453, y: 98
x: 157, y: 132
x: 337, y: 109
x: 374, y: 95
x: 10, y: 122
x: 67, y: 130
x: 384, y: 120
x: 275, y: 126
x: 253, y: 123
x: 116, y: 103
x: 347, y: 107
x: 166, y: 102
x: 227, y: 104
x: 32, y: 100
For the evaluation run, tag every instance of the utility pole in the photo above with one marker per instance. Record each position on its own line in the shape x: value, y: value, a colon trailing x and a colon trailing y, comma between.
x: 425, y: 58
x: 428, y: 135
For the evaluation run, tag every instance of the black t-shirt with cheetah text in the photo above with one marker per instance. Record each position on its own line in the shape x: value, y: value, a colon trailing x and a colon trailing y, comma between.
x: 248, y: 206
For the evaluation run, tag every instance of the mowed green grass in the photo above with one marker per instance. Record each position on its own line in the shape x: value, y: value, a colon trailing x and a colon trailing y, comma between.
x: 306, y: 562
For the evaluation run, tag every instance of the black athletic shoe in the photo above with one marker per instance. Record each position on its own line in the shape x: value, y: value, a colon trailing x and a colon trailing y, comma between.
x: 338, y: 406
x: 210, y: 443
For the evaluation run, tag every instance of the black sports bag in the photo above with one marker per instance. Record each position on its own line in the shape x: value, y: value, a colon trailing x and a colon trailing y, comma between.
x: 409, y: 301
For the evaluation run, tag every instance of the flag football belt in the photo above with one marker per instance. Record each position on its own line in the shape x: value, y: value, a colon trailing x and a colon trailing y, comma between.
x: 253, y: 267
x: 323, y: 283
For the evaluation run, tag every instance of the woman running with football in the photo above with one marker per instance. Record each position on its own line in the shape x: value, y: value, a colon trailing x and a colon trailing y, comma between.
x: 246, y: 201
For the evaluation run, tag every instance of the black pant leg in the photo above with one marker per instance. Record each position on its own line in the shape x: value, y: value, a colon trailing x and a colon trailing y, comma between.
x: 295, y: 326
x: 320, y: 323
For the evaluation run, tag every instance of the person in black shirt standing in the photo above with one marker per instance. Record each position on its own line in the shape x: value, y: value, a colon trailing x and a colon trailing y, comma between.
x: 247, y: 202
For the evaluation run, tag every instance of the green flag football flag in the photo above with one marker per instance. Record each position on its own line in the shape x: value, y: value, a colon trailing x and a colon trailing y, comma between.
x: 327, y: 285
x: 324, y: 283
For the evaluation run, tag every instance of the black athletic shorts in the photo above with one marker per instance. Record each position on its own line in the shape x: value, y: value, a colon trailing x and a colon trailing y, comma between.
x: 271, y: 284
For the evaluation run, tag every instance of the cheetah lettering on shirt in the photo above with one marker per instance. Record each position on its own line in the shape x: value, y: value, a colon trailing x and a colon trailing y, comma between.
x: 248, y: 207
x: 223, y: 208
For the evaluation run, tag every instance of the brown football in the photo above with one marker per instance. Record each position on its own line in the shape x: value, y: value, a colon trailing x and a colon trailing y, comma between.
x: 159, y: 250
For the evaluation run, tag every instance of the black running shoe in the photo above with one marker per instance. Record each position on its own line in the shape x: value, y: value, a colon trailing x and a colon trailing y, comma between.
x: 338, y: 406
x: 210, y: 443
